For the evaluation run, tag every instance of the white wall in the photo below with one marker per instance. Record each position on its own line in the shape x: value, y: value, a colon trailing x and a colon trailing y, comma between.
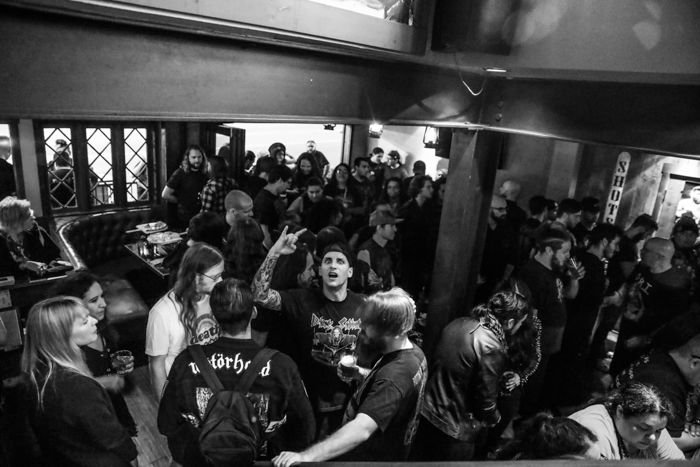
x: 408, y: 140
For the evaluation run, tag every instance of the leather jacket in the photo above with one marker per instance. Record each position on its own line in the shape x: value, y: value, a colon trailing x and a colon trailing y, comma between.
x: 463, y: 386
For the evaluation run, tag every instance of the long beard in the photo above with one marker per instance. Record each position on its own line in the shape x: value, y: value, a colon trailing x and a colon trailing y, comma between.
x: 558, y: 266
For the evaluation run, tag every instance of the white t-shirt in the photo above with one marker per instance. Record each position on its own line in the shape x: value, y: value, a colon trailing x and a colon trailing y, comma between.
x: 597, y: 419
x: 166, y: 335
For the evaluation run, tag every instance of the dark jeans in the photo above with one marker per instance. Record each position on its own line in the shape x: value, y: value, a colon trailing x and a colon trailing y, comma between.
x: 608, y: 318
x: 433, y: 445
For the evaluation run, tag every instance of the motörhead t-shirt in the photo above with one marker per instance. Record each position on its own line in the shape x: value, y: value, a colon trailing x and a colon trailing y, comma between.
x: 326, y: 331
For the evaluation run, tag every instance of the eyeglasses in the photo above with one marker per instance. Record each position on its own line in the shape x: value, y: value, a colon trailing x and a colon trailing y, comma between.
x: 215, y: 278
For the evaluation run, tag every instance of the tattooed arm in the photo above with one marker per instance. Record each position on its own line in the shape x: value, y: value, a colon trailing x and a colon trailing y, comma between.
x: 262, y: 293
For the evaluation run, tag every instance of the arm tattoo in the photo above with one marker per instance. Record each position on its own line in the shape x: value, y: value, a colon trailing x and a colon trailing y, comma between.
x: 262, y: 293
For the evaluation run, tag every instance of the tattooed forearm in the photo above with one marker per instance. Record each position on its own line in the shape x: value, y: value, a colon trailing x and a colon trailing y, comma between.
x: 262, y: 293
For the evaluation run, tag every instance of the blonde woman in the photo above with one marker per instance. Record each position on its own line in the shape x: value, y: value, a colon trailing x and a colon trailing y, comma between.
x: 74, y: 419
x: 25, y: 247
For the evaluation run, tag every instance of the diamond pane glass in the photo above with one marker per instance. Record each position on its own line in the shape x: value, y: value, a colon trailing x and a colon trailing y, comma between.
x: 99, y: 155
x: 136, y: 164
x: 59, y: 164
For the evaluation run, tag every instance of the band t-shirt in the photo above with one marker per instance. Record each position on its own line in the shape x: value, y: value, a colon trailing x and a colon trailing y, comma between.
x: 326, y: 331
x: 391, y: 395
x: 187, y: 187
x: 166, y: 335
x: 548, y: 297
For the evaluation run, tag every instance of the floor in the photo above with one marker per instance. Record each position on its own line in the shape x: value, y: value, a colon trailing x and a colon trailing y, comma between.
x: 151, y: 445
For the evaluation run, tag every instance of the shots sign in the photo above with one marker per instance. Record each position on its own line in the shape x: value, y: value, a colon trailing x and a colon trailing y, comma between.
x: 618, y: 183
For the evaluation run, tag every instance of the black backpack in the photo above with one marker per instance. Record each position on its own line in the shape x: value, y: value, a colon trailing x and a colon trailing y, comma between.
x: 231, y: 433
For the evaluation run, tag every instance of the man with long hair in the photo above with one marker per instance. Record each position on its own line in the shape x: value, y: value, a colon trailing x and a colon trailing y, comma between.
x: 184, y: 186
x: 214, y: 192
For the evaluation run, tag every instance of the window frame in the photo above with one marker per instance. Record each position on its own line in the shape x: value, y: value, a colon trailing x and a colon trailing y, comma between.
x: 81, y: 168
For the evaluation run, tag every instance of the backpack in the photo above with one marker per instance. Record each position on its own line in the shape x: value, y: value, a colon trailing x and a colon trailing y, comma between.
x: 231, y: 433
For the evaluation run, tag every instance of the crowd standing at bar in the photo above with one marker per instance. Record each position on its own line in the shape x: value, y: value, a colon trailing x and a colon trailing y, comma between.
x: 331, y: 268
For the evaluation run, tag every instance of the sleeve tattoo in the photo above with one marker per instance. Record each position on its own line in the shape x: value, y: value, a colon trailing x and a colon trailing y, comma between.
x: 262, y: 293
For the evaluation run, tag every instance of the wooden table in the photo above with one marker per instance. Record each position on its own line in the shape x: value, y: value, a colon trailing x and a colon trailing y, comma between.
x: 155, y: 264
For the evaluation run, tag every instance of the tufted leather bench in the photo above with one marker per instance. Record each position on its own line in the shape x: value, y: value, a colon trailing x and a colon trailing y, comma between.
x: 92, y: 241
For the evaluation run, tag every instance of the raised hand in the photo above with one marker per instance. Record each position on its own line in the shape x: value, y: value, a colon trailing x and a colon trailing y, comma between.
x: 286, y: 243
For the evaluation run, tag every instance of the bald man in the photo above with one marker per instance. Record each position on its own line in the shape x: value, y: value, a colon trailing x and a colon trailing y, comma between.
x: 237, y: 204
x: 500, y: 250
x: 656, y: 293
x: 510, y: 190
x: 674, y: 373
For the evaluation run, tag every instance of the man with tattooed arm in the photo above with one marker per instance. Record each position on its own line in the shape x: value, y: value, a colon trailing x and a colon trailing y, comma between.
x: 326, y: 325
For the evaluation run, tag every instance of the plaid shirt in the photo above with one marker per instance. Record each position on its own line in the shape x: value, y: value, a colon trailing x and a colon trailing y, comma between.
x: 214, y: 193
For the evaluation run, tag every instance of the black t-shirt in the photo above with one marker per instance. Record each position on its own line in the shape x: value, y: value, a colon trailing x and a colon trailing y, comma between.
x: 265, y: 210
x: 7, y: 179
x: 391, y: 396
x: 500, y: 249
x: 364, y: 188
x: 548, y: 298
x: 591, y: 288
x: 277, y: 394
x: 326, y: 331
x: 660, y: 370
x: 662, y: 297
x: 187, y: 187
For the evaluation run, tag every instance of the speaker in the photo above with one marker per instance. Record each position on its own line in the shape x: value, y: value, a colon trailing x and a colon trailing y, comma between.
x: 444, y: 143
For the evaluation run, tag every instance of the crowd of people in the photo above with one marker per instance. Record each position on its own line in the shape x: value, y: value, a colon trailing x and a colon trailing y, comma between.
x: 331, y: 273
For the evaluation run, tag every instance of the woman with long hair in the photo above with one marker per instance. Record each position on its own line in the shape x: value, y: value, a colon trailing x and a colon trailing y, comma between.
x: 25, y: 247
x: 464, y: 382
x: 305, y: 168
x: 86, y: 287
x: 630, y: 423
x: 74, y: 419
x: 244, y: 250
x: 183, y: 317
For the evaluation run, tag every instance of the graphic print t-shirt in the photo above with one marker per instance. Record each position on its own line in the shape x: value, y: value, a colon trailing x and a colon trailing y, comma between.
x: 166, y: 335
x: 327, y: 331
x: 391, y: 395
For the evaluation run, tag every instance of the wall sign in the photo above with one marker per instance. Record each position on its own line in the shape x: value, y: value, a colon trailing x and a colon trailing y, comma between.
x: 618, y: 184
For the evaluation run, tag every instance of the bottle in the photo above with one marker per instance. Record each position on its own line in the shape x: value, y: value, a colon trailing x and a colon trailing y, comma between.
x: 142, y: 247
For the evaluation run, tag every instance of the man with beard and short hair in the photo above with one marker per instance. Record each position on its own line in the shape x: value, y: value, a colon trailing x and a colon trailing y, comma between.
x: 374, y: 252
x: 500, y: 250
x: 324, y: 322
x: 510, y: 190
x: 382, y: 417
x: 544, y: 275
x: 568, y: 217
x: 582, y: 313
x: 656, y: 293
x: 362, y: 184
x: 590, y: 211
x: 184, y: 186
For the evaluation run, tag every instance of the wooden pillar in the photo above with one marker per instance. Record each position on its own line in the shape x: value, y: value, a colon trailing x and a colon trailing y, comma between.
x: 473, y: 163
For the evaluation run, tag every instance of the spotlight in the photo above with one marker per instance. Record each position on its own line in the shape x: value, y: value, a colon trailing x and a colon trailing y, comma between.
x: 329, y: 126
x: 375, y: 130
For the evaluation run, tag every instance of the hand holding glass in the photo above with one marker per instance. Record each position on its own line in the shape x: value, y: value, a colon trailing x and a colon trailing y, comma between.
x: 122, y: 362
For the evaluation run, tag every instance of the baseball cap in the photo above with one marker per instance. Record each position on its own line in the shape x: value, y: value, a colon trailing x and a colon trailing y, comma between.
x: 381, y: 217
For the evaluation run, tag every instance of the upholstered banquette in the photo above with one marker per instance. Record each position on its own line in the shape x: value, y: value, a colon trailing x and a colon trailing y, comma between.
x: 95, y: 241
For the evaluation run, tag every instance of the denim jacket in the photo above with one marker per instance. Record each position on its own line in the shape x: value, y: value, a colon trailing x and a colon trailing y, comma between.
x: 463, y: 386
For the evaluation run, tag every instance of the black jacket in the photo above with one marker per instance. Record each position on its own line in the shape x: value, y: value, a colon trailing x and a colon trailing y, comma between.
x: 464, y: 377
